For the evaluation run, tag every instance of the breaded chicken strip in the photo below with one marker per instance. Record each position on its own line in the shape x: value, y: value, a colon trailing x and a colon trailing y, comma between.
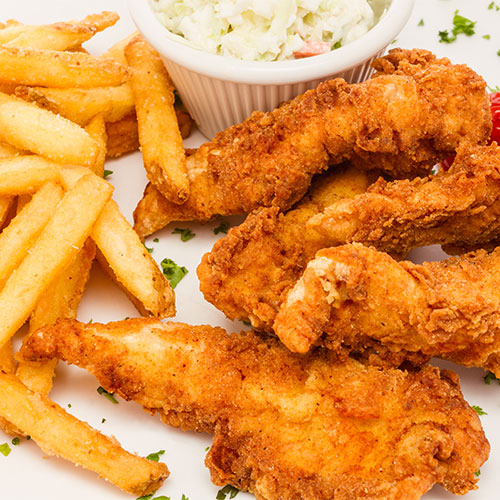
x: 414, y: 113
x: 355, y: 298
x: 248, y: 272
x: 459, y: 207
x: 287, y: 427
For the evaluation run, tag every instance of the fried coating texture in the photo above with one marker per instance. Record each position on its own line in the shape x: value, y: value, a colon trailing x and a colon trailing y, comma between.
x: 287, y: 427
x: 460, y: 207
x: 356, y: 298
x: 415, y: 112
x: 248, y: 272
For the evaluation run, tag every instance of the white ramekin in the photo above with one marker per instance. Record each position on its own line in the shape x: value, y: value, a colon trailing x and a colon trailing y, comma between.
x: 220, y: 91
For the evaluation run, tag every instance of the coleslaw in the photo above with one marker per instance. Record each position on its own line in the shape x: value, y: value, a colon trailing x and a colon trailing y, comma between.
x: 268, y: 30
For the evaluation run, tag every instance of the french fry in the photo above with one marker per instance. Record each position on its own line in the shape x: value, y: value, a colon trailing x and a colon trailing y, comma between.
x: 117, y: 51
x: 128, y: 262
x: 123, y: 136
x: 159, y: 135
x: 26, y: 174
x: 26, y: 126
x: 56, y: 247
x: 52, y: 68
x: 7, y: 204
x: 80, y: 105
x: 131, y: 264
x: 61, y: 300
x: 8, y: 151
x: 58, y: 433
x: 7, y: 365
x: 97, y: 130
x: 57, y: 36
x: 20, y: 235
x: 8, y: 88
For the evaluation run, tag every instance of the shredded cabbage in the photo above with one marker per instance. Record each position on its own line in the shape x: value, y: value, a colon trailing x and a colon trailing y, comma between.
x: 264, y: 30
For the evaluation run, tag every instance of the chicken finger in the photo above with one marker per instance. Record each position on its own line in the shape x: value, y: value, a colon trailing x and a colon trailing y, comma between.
x: 287, y: 427
x: 355, y: 298
x: 459, y: 207
x: 414, y: 113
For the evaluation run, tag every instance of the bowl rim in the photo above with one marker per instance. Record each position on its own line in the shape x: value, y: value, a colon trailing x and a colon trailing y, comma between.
x: 270, y: 72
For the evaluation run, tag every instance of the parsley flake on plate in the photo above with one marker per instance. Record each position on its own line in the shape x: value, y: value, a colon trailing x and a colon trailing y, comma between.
x: 108, y: 395
x: 155, y: 457
x: 223, y: 227
x: 173, y: 272
x: 479, y: 410
x: 186, y: 234
x: 421, y: 22
x: 489, y: 377
x: 493, y: 6
x: 107, y: 173
x: 461, y: 25
x: 227, y: 490
x: 16, y: 441
x: 5, y: 449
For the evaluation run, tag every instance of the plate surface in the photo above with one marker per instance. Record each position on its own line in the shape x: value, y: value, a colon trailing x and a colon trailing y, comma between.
x: 27, y: 473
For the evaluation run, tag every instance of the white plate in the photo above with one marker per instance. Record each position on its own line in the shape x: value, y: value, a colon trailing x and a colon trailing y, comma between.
x: 27, y: 473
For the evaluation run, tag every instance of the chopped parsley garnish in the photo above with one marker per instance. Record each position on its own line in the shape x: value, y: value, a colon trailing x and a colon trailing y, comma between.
x: 494, y: 6
x: 337, y: 44
x: 498, y: 53
x: 207, y: 448
x: 156, y: 240
x: 487, y: 37
x: 103, y: 420
x: 421, y: 22
x: 184, y: 497
x: 90, y: 321
x: 5, y: 449
x: 173, y: 272
x: 246, y: 323
x: 16, y: 441
x: 150, y: 250
x: 107, y: 173
x: 477, y: 473
x: 479, y: 410
x: 186, y: 234
x: 163, y: 497
x: 69, y: 405
x: 107, y: 394
x: 489, y: 377
x: 155, y: 457
x: 461, y: 25
x: 227, y: 490
x: 223, y: 227
x: 146, y: 497
x: 493, y: 89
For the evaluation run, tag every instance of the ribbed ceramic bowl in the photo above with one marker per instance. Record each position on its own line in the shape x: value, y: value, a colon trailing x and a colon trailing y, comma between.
x: 220, y: 91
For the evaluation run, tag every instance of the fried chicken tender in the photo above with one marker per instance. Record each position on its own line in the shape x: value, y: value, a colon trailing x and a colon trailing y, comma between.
x: 287, y: 427
x: 248, y: 272
x: 460, y: 207
x: 355, y: 298
x: 416, y: 111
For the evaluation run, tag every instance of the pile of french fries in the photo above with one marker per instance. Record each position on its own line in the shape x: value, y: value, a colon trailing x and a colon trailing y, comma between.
x: 62, y: 113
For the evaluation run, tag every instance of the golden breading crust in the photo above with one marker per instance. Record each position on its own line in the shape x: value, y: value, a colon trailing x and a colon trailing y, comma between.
x: 414, y: 113
x: 356, y: 298
x: 248, y: 272
x: 459, y: 207
x: 287, y: 427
